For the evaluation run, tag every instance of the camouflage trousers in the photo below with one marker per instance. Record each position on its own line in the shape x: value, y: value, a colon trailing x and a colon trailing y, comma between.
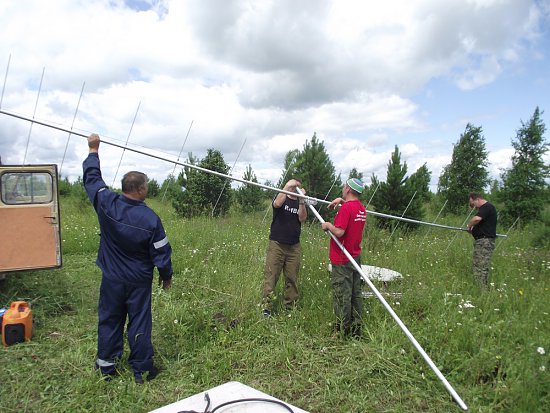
x: 347, y: 297
x: 483, y: 249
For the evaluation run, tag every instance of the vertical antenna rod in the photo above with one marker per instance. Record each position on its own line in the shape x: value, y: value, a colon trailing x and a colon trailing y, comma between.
x: 403, y: 214
x: 175, y: 165
x: 72, y: 124
x: 223, y: 188
x: 126, y: 144
x: 34, y: 114
x: 5, y: 79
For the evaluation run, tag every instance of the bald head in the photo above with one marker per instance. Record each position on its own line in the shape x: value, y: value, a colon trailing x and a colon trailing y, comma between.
x: 135, y: 182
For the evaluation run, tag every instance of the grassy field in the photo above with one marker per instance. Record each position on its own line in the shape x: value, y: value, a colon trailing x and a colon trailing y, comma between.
x: 207, y: 330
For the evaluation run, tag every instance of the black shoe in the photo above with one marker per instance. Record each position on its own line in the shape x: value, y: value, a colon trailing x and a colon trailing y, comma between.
x: 151, y: 374
x: 356, y: 331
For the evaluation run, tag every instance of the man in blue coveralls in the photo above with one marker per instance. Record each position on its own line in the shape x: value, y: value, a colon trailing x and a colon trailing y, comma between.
x: 132, y: 243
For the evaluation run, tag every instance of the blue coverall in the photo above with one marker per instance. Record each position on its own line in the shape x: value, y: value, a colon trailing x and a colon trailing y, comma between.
x: 132, y: 242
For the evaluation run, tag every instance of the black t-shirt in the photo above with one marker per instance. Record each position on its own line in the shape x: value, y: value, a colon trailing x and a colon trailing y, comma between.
x: 487, y: 227
x: 286, y: 227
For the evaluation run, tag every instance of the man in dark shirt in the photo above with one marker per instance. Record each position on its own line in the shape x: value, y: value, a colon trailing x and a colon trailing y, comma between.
x: 284, y: 250
x: 132, y: 242
x: 483, y: 227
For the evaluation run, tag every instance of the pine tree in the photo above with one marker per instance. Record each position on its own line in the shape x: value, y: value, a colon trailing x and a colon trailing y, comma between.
x: 249, y: 197
x: 170, y: 188
x: 289, y: 169
x: 420, y: 183
x: 316, y: 170
x: 204, y: 190
x: 467, y: 171
x: 392, y: 196
x: 524, y: 183
x: 153, y: 188
x: 354, y: 173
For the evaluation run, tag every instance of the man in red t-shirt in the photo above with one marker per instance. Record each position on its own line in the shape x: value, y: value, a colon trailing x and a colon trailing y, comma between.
x: 346, y: 280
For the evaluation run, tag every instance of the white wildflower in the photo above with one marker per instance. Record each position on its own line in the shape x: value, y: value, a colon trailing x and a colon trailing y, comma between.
x: 540, y: 350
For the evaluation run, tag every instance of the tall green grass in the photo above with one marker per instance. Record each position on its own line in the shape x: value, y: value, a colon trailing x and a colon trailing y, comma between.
x: 208, y: 329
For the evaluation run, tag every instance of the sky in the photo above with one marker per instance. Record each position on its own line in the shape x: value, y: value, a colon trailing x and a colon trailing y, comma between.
x: 257, y: 78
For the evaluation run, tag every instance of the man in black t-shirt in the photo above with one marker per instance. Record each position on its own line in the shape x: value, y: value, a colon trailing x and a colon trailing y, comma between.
x: 284, y: 250
x: 483, y: 227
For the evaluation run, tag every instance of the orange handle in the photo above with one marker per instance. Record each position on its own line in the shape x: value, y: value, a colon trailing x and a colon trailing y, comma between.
x: 19, y: 306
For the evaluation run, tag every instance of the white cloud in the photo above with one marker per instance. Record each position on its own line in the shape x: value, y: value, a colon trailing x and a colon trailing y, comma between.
x: 270, y: 72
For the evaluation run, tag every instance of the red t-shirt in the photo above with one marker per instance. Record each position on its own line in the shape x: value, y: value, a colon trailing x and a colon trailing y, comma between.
x: 351, y: 218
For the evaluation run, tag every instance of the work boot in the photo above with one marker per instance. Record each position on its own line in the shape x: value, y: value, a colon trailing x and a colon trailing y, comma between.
x: 151, y: 374
x: 356, y: 331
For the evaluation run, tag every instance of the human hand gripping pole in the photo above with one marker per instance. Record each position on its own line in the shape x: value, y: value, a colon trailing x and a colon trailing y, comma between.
x: 93, y: 143
x: 400, y: 323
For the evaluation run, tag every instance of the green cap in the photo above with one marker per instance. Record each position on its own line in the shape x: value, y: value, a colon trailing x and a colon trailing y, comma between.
x: 356, y: 184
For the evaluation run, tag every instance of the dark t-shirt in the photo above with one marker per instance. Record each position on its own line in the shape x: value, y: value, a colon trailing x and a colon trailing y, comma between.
x: 487, y: 227
x: 286, y: 227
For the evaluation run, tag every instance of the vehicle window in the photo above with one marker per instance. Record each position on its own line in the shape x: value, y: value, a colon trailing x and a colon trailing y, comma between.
x: 26, y: 188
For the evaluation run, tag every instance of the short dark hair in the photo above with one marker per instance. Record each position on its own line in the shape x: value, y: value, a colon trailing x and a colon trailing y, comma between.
x: 133, y: 181
x: 475, y: 195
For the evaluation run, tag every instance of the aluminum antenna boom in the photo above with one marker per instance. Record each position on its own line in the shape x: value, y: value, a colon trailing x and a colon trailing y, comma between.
x: 311, y: 199
x: 400, y: 323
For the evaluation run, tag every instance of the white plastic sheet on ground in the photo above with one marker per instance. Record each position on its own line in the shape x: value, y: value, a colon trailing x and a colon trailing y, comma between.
x: 378, y: 273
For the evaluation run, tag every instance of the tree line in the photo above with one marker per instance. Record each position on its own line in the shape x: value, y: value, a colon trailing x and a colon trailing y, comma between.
x: 522, y: 192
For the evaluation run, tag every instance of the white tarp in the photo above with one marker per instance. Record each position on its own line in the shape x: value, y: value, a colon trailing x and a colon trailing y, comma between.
x: 229, y: 391
x: 378, y: 273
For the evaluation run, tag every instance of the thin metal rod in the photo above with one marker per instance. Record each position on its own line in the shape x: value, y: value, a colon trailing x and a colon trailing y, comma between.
x: 330, y: 189
x: 326, y: 196
x: 305, y: 197
x: 428, y: 231
x: 225, y: 182
x: 179, y: 154
x: 400, y: 323
x: 404, y: 212
x: 72, y: 125
x: 126, y: 144
x: 464, y: 223
x: 5, y: 80
x: 34, y: 114
x: 507, y: 232
x: 372, y: 196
